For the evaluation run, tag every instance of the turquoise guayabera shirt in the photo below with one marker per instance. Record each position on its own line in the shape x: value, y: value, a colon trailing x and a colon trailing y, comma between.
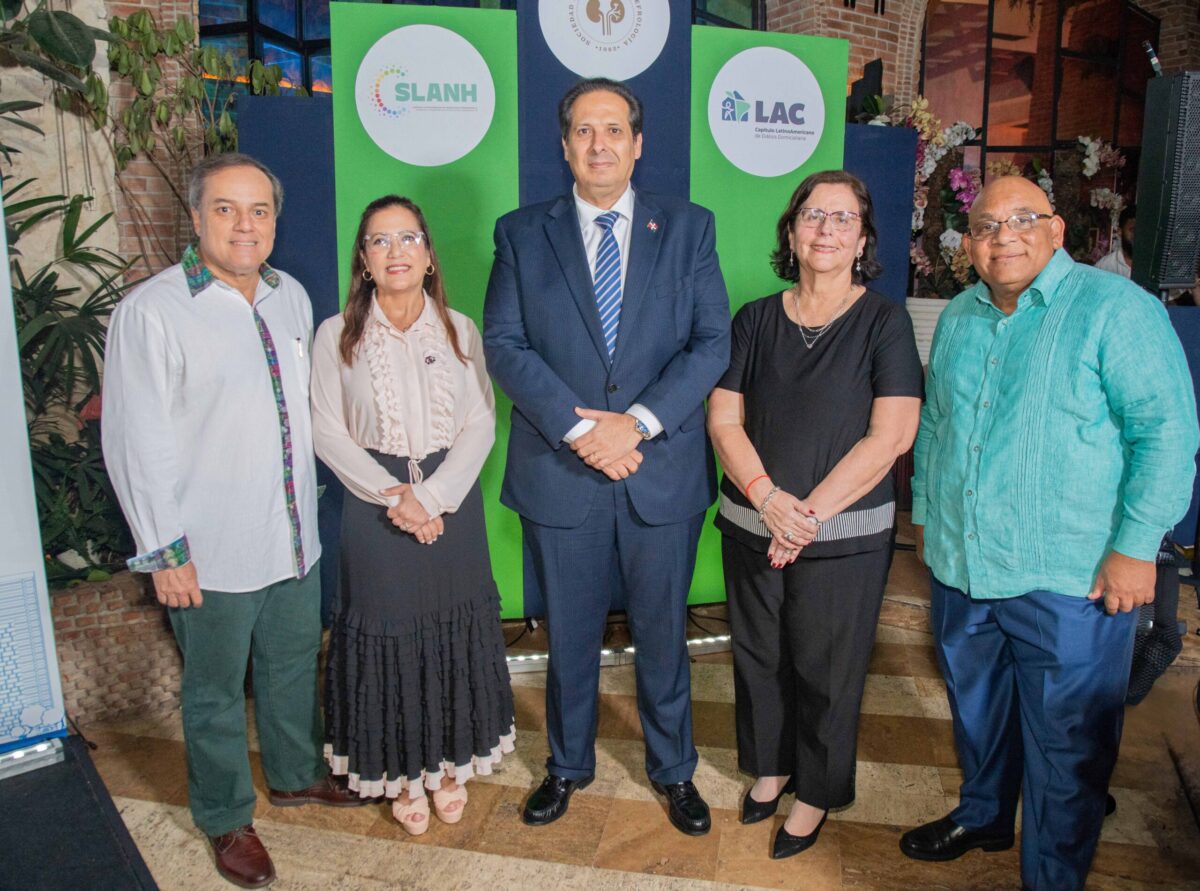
x: 1052, y: 436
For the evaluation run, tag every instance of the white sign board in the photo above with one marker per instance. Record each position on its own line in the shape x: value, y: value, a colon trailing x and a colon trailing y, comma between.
x: 31, y: 703
x: 425, y: 95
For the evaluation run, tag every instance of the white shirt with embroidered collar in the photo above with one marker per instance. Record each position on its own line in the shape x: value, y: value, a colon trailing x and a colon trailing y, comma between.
x: 193, y: 434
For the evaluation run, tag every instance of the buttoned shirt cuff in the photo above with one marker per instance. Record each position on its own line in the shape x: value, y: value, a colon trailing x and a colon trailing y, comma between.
x: 919, y: 508
x: 426, y: 500
x: 578, y: 430
x: 647, y: 417
x: 170, y: 556
x: 1138, y: 540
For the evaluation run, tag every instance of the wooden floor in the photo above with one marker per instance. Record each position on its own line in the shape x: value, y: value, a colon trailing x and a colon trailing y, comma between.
x: 616, y: 834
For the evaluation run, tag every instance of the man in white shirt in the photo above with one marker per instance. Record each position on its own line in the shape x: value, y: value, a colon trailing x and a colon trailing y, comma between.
x: 208, y: 441
x: 1120, y: 259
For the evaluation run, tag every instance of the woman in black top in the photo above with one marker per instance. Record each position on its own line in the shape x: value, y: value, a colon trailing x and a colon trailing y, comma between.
x: 823, y: 393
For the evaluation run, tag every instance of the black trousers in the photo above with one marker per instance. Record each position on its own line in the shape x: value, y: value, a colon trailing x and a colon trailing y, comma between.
x: 802, y: 639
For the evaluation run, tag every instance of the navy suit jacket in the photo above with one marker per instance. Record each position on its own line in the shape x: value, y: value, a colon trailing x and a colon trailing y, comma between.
x: 545, y: 348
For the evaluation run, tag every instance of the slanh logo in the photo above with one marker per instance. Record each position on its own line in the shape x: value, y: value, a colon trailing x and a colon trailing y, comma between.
x: 425, y: 95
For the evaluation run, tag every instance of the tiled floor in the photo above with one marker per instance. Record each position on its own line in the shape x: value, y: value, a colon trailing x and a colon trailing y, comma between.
x: 616, y: 834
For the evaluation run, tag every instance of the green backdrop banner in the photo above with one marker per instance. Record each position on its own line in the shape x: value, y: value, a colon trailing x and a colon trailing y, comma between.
x: 767, y: 110
x: 426, y: 106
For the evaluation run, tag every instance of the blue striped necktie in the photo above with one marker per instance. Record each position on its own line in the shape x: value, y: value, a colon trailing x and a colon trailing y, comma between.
x: 607, y: 280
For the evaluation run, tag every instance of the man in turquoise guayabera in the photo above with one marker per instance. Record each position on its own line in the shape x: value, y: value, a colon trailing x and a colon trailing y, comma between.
x: 1057, y: 447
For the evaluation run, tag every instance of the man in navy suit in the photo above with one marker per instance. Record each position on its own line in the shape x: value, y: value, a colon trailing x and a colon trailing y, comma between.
x: 607, y: 324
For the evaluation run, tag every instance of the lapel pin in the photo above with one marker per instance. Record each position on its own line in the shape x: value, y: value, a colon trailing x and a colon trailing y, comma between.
x: 652, y: 226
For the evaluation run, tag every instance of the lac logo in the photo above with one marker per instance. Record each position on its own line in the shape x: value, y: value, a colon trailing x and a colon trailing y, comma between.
x: 734, y: 107
x: 766, y: 112
x: 425, y: 95
x: 606, y: 38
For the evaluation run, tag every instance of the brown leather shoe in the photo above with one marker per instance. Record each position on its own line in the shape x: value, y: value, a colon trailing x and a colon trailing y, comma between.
x: 242, y: 859
x: 327, y: 791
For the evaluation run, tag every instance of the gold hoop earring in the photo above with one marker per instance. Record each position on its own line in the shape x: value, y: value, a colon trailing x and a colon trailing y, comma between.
x: 429, y: 270
x: 366, y: 275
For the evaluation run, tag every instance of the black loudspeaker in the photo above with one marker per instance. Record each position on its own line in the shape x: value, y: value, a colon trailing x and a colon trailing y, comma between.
x: 1167, y: 242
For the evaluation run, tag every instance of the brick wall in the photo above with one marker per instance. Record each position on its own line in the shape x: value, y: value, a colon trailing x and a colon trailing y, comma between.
x: 894, y: 37
x: 151, y: 221
x: 1179, y: 34
x: 116, y: 653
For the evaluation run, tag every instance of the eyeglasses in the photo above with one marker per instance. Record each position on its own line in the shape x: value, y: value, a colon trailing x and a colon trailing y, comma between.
x: 1018, y: 222
x: 382, y: 241
x: 812, y: 217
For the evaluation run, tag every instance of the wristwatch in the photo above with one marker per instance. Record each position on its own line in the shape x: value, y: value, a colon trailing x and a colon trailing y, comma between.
x: 640, y: 426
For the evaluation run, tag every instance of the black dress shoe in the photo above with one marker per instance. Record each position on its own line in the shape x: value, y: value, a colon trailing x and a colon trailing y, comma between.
x: 1110, y: 805
x: 754, y: 811
x: 787, y: 845
x: 549, y: 800
x: 685, y: 807
x: 945, y: 840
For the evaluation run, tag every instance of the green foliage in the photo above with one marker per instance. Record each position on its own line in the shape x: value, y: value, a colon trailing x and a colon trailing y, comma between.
x: 59, y: 46
x: 61, y: 310
x: 62, y: 306
x: 874, y: 107
x: 189, y: 116
x: 77, y: 508
x: 60, y: 329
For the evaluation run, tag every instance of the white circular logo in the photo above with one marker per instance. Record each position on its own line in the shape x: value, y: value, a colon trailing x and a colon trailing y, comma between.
x: 605, y: 38
x: 425, y: 95
x: 766, y: 111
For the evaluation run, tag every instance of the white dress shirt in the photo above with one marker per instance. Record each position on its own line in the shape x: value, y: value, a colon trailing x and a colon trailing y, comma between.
x: 192, y: 431
x: 407, y: 394
x: 592, y: 234
x: 1115, y: 262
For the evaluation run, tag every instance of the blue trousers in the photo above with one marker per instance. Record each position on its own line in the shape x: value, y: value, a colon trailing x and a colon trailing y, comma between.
x: 579, y: 571
x: 1037, y: 688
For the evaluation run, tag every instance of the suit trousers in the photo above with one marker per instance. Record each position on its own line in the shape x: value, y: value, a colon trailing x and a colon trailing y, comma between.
x: 579, y: 570
x: 280, y: 625
x: 802, y: 639
x: 1037, y: 688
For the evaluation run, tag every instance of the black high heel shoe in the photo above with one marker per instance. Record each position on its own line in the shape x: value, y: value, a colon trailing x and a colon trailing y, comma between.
x: 787, y: 845
x: 756, y: 811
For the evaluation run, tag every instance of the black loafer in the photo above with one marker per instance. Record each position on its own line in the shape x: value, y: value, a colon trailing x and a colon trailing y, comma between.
x: 754, y: 811
x: 787, y: 845
x: 549, y: 800
x: 945, y: 840
x: 685, y: 807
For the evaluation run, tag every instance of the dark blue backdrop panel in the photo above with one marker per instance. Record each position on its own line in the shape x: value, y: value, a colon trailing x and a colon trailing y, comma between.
x: 665, y: 89
x: 294, y: 137
x: 1186, y: 320
x: 884, y: 158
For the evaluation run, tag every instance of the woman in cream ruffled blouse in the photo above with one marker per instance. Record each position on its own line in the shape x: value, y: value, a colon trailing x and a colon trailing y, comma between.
x: 417, y: 692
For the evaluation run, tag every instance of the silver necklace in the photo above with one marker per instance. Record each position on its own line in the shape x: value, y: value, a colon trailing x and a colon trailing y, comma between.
x: 810, y: 336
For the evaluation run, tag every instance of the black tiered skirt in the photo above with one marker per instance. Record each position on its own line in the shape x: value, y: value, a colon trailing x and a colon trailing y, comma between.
x: 417, y: 686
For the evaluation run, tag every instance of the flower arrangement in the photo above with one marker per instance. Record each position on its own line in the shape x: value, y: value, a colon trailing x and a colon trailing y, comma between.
x: 1082, y: 189
x: 943, y: 192
x: 1098, y: 154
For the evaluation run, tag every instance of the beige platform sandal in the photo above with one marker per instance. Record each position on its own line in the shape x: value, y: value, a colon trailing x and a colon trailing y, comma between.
x: 443, y: 799
x: 412, y: 814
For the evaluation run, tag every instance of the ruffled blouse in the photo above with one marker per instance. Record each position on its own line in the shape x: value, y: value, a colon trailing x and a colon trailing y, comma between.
x: 407, y: 394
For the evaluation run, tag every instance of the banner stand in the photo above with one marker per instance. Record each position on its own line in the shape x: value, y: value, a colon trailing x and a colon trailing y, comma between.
x: 42, y: 754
